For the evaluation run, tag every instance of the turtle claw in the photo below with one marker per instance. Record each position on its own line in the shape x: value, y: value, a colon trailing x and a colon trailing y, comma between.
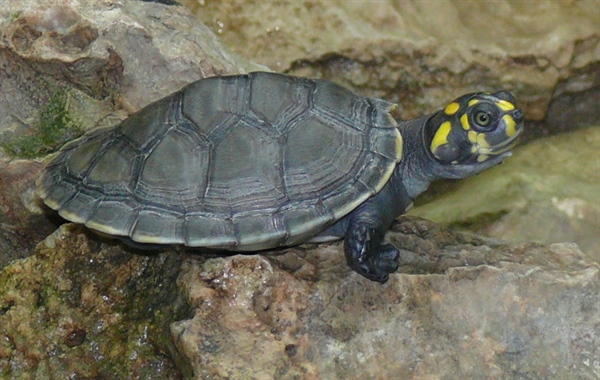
x: 374, y: 263
x: 387, y: 258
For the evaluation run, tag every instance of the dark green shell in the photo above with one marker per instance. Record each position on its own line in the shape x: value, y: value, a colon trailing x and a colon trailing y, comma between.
x: 238, y: 162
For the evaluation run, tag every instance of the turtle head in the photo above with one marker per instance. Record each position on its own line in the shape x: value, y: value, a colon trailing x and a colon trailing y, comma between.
x: 474, y: 132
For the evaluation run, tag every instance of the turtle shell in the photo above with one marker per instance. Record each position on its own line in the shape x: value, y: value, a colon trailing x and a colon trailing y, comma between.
x: 242, y: 162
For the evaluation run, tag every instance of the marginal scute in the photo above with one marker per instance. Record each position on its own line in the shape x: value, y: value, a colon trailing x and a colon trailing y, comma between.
x: 243, y: 162
x: 55, y: 195
x: 156, y: 227
x: 115, y: 217
x: 217, y: 231
x: 79, y: 207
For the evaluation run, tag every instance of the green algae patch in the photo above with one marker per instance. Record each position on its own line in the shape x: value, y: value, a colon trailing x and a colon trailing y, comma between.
x: 54, y: 126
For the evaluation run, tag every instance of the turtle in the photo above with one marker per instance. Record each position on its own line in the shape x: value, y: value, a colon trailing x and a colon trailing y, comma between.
x: 260, y: 161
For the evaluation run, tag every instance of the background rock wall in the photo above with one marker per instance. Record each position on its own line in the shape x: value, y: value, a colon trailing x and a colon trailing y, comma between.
x: 420, y: 54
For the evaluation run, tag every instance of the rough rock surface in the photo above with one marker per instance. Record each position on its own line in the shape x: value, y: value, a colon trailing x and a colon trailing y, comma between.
x: 82, y: 309
x: 477, y: 310
x: 422, y: 53
x: 22, y: 223
x: 104, y: 52
x: 548, y: 191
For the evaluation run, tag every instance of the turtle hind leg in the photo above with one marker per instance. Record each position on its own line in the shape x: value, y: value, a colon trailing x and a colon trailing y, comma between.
x: 367, y: 256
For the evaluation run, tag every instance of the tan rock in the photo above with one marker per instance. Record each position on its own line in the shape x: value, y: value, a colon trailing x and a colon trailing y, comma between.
x: 524, y: 310
x: 418, y: 53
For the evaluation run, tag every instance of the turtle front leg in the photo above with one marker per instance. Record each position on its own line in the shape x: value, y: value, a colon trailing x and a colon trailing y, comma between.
x: 366, y: 255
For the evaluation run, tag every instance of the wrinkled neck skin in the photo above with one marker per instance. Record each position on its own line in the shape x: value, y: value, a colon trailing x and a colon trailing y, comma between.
x: 419, y: 168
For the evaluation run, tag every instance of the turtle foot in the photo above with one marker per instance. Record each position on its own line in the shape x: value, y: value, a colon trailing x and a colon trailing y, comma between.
x: 374, y: 263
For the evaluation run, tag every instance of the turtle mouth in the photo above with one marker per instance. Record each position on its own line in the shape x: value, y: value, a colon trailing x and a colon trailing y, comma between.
x: 502, y: 147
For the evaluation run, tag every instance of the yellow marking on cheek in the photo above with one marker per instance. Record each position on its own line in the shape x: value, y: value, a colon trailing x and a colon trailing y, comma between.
x: 504, y: 105
x: 472, y: 137
x: 510, y: 125
x: 482, y: 157
x: 472, y: 102
x: 482, y: 141
x: 464, y: 121
x: 441, y: 136
x: 451, y: 108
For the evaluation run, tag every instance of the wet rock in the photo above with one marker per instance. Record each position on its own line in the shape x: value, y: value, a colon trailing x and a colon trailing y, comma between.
x: 421, y: 54
x: 547, y: 192
x: 480, y: 309
x: 79, y: 308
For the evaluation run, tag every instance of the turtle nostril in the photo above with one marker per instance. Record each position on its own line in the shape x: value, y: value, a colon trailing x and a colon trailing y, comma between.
x: 517, y: 114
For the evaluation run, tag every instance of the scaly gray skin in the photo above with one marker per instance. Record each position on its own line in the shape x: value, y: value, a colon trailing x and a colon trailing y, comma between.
x: 364, y: 228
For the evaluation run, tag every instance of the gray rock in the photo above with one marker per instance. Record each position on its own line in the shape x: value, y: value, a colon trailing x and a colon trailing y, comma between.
x: 478, y: 310
x: 129, y: 53
x: 23, y: 225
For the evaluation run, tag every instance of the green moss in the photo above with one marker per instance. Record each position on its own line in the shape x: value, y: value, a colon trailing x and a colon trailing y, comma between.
x: 55, y: 125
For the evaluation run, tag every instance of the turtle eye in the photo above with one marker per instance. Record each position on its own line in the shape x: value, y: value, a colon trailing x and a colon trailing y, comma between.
x: 483, y: 119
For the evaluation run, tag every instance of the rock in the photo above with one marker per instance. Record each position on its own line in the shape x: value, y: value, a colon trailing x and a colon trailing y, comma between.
x: 546, y: 192
x: 480, y: 309
x: 23, y: 224
x: 79, y: 308
x: 421, y: 54
x: 102, y: 53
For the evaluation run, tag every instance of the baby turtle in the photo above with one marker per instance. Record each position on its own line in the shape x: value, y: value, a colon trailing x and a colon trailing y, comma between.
x: 259, y: 161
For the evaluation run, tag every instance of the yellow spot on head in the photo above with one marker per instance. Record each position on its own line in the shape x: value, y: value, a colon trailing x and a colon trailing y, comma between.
x: 441, y: 136
x: 483, y: 143
x: 505, y: 106
x: 464, y: 121
x: 451, y: 108
x: 472, y: 137
x: 510, y: 125
x: 472, y: 102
